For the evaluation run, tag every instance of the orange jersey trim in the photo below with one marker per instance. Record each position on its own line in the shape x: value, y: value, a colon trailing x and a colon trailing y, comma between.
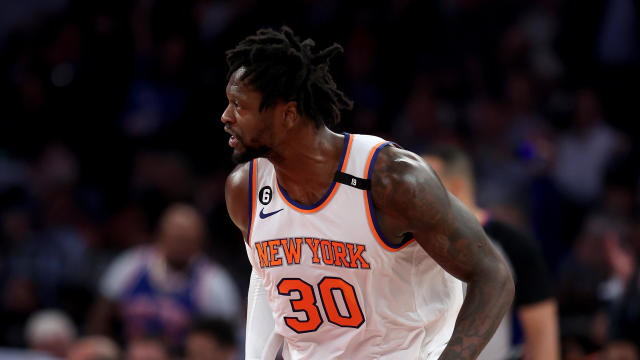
x: 368, y: 202
x: 331, y: 192
x: 252, y: 196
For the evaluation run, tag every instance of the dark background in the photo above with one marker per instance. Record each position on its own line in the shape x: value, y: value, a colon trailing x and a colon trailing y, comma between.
x: 110, y: 111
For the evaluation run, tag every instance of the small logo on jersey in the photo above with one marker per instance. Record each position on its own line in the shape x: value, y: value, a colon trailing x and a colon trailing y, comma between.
x: 265, y: 195
x: 264, y: 215
x: 353, y: 182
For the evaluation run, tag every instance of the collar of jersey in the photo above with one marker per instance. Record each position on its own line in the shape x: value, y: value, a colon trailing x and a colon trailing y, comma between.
x: 326, y: 198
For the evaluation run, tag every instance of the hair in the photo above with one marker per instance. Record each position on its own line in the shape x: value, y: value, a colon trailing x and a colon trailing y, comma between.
x: 151, y: 338
x: 49, y: 324
x: 281, y: 67
x: 217, y: 328
x: 456, y: 162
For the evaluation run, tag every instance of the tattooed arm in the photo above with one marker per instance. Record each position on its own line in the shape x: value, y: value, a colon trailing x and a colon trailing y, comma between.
x: 409, y: 198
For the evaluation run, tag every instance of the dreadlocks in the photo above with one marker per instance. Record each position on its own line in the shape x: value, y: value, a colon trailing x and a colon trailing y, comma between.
x: 281, y: 67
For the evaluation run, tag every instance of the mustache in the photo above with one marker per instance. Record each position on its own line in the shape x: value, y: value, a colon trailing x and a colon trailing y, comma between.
x: 228, y: 130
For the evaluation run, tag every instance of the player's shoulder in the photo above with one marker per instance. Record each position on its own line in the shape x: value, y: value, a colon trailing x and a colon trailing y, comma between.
x: 238, y: 179
x: 402, y: 182
x: 237, y: 195
x: 395, y: 166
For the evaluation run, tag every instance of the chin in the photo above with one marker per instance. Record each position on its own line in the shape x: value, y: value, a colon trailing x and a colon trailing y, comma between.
x: 240, y: 157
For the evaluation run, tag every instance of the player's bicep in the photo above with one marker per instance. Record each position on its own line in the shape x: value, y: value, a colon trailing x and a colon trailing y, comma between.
x: 458, y: 243
x: 237, y: 196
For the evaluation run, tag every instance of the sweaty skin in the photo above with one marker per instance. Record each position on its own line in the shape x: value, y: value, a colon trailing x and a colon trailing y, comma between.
x: 539, y: 320
x: 408, y: 198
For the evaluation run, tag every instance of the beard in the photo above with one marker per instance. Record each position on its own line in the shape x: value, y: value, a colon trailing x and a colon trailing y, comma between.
x: 249, y: 153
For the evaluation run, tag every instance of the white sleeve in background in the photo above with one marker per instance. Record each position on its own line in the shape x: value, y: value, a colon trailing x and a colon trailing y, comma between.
x: 261, y: 342
x: 219, y: 296
x: 120, y: 273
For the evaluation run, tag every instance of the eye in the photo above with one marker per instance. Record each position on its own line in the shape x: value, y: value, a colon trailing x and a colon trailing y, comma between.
x: 236, y: 104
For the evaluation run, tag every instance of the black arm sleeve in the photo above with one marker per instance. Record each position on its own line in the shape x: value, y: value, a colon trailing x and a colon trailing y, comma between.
x: 530, y: 271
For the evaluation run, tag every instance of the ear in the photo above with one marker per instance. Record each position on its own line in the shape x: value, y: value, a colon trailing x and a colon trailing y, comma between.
x: 290, y: 114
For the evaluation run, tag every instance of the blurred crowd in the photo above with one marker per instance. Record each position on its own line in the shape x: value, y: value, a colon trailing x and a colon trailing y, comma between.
x: 114, y: 236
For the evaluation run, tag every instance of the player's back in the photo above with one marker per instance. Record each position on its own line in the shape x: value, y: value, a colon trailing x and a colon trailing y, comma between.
x: 337, y: 288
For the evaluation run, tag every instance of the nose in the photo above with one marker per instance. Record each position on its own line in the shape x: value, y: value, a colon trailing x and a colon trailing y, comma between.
x: 227, y: 115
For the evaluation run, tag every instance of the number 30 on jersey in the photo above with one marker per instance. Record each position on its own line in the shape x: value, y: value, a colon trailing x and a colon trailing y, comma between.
x: 328, y: 287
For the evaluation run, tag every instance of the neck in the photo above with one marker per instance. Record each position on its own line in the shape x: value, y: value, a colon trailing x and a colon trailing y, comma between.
x: 306, y: 162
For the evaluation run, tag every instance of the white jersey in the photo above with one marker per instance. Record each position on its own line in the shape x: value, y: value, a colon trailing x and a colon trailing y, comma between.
x: 337, y: 288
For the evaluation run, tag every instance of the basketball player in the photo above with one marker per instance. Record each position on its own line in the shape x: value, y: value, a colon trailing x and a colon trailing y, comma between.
x: 355, y: 245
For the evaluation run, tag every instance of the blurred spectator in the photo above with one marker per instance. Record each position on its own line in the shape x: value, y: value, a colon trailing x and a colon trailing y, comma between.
x: 45, y: 237
x: 424, y: 118
x: 525, y: 121
x: 588, y: 138
x: 146, y: 349
x: 160, y: 177
x: 18, y: 13
x: 594, y: 280
x: 94, y: 348
x: 620, y: 350
x: 156, y: 290
x: 617, y: 41
x: 19, y: 291
x: 534, y: 304
x: 620, y: 187
x: 20, y: 354
x: 624, y: 258
x: 51, y: 332
x: 500, y: 177
x: 211, y: 339
x: 580, y: 182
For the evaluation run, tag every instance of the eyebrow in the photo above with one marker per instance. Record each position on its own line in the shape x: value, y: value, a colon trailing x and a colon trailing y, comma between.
x: 235, y: 93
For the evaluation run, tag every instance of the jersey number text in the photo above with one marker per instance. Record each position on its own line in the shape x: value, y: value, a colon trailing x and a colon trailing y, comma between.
x: 328, y: 287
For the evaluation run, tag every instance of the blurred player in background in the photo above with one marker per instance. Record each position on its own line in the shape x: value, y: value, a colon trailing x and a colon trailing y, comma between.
x: 156, y: 290
x: 146, y: 349
x: 355, y: 241
x: 534, y: 303
x: 94, y: 347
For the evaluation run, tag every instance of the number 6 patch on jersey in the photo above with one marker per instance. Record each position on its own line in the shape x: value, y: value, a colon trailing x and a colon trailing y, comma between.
x: 328, y: 288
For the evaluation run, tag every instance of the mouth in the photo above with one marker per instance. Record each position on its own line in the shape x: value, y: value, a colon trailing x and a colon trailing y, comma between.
x: 233, y: 139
